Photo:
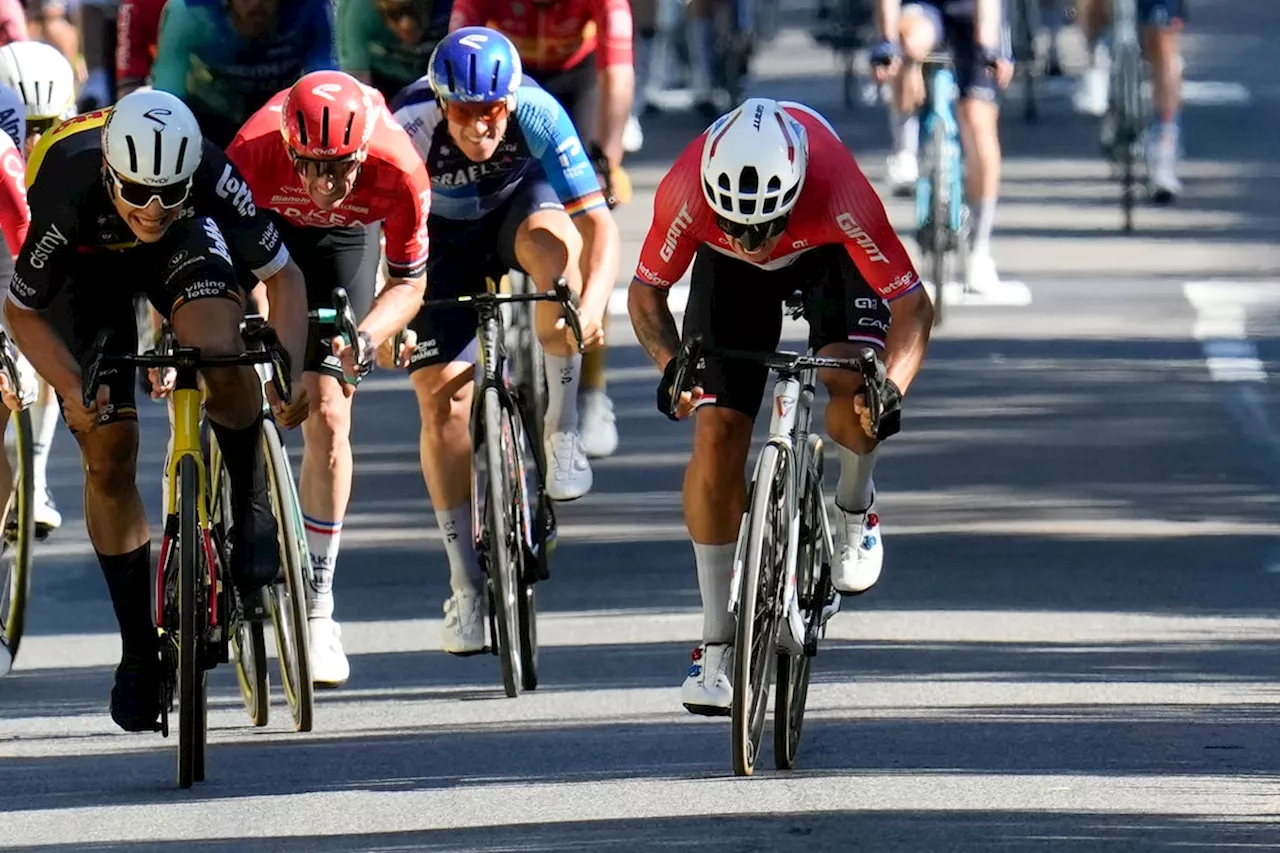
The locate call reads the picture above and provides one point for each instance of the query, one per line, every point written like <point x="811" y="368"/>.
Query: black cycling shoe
<point x="135" y="697"/>
<point x="255" y="550"/>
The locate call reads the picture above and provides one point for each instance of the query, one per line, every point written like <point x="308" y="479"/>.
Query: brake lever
<point x="686" y="365"/>
<point x="93" y="368"/>
<point x="569" y="305"/>
<point x="349" y="329"/>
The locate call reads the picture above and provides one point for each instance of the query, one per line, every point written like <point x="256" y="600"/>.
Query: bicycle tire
<point x="941" y="220"/>
<point x="794" y="671"/>
<point x="289" y="599"/>
<point x="752" y="665"/>
<point x="532" y="557"/>
<point x="248" y="641"/>
<point x="504" y="552"/>
<point x="193" y="604"/>
<point x="18" y="545"/>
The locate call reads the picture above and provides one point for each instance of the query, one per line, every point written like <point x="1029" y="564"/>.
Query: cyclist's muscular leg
<point x="919" y="28"/>
<point x="233" y="404"/>
<point x="324" y="482"/>
<point x="979" y="119"/>
<point x="444" y="393"/>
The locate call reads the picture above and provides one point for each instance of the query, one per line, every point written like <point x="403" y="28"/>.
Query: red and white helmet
<point x="327" y="115"/>
<point x="753" y="163"/>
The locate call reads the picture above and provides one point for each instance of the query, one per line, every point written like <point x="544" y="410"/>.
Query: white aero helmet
<point x="152" y="138"/>
<point x="753" y="163"/>
<point x="13" y="116"/>
<point x="42" y="77"/>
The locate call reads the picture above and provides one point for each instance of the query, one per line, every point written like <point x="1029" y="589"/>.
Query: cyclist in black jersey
<point x="134" y="199"/>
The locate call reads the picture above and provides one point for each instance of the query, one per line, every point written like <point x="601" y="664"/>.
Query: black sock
<point x="246" y="468"/>
<point x="129" y="582"/>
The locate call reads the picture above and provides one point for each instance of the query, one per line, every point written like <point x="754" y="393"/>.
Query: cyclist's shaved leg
<point x="233" y="403"/>
<point x="918" y="33"/>
<point x="324" y="482"/>
<point x="857" y="451"/>
<point x="979" y="120"/>
<point x="715" y="496"/>
<point x="549" y="246"/>
<point x="1161" y="42"/>
<point x="444" y="403"/>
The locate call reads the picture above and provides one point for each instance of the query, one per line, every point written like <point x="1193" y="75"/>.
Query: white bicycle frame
<point x="790" y="418"/>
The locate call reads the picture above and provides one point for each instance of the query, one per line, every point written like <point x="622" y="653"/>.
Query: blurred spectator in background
<point x="56" y="22"/>
<point x="13" y="22"/>
<point x="388" y="43"/>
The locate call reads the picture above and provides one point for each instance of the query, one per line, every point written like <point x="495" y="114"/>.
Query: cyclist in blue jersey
<point x="227" y="59"/>
<point x="512" y="187"/>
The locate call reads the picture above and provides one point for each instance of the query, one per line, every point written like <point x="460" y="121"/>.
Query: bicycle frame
<point x="942" y="92"/>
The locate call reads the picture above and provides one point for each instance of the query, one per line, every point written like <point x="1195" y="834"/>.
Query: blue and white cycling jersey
<point x="540" y="142"/>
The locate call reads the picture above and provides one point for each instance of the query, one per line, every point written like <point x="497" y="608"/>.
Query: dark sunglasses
<point x="753" y="237"/>
<point x="339" y="169"/>
<point x="140" y="195"/>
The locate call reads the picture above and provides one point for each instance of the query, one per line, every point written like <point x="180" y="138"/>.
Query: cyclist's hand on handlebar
<point x="81" y="418"/>
<point x="295" y="412"/>
<point x="11" y="400"/>
<point x="1000" y="66"/>
<point x="886" y="59"/>
<point x="592" y="323"/>
<point x="162" y="381"/>
<point x="688" y="400"/>
<point x="388" y="358"/>
<point x="890" y="413"/>
<point x="356" y="360"/>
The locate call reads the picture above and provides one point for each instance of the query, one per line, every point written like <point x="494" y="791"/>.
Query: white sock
<point x="563" y="375"/>
<point x="715" y="576"/>
<point x="459" y="545"/>
<point x="906" y="132"/>
<point x="44" y="425"/>
<point x="323" y="538"/>
<point x="984" y="222"/>
<point x="855" y="489"/>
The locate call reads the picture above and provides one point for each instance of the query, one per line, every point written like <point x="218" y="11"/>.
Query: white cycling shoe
<point x="903" y="171"/>
<point x="708" y="688"/>
<point x="47" y="517"/>
<point x="862" y="553"/>
<point x="568" y="471"/>
<point x="329" y="666"/>
<point x="463" y="632"/>
<point x="598" y="424"/>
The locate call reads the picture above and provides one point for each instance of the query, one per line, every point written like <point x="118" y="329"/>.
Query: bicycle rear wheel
<point x="193" y="618"/>
<point x="505" y="550"/>
<point x="289" y="599"/>
<point x="759" y="608"/>
<point x="248" y="641"/>
<point x="19" y="539"/>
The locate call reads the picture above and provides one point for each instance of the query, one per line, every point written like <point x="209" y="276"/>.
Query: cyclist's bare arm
<point x="653" y="322"/>
<point x="44" y="348"/>
<point x="601" y="258"/>
<point x="988" y="20"/>
<point x="394" y="307"/>
<point x="887" y="14"/>
<point x="287" y="295"/>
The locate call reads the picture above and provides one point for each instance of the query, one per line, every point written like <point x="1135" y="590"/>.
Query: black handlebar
<point x="867" y="363"/>
<point x="9" y="364"/>
<point x="561" y="293"/>
<point x="168" y="354"/>
<point x="347" y="327"/>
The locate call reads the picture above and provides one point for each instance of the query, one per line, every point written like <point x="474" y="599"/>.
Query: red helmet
<point x="326" y="115"/>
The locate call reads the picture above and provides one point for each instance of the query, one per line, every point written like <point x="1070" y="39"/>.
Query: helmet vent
<point x="324" y="128"/>
<point x="493" y="84"/>
<point x="346" y="134"/>
<point x="302" y="128"/>
<point x="156" y="155"/>
<point x="133" y="155"/>
<point x="182" y="154"/>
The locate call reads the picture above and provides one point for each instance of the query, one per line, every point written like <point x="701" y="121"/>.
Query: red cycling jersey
<point x="15" y="216"/>
<point x="554" y="37"/>
<point x="836" y="206"/>
<point x="137" y="30"/>
<point x="392" y="186"/>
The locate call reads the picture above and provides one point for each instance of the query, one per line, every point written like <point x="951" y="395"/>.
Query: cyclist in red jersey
<point x="137" y="31"/>
<point x="827" y="235"/>
<point x="557" y="40"/>
<point x="327" y="160"/>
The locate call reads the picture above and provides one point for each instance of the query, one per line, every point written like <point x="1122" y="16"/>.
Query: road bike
<point x="1128" y="105"/>
<point x="19" y="513"/>
<point x="781" y="593"/>
<point x="512" y="518"/>
<point x="197" y="608"/>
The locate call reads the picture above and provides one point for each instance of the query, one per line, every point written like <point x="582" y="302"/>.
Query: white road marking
<point x="1009" y="294"/>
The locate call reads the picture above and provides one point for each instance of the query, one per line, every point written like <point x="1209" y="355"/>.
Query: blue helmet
<point x="474" y="64"/>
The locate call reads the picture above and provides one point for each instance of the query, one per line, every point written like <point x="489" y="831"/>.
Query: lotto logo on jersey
<point x="236" y="192"/>
<point x="218" y="245"/>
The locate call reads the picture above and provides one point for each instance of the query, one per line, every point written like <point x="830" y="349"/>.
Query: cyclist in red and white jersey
<point x="332" y="166"/>
<point x="766" y="202"/>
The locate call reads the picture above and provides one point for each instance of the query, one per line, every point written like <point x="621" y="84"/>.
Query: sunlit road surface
<point x="1073" y="646"/>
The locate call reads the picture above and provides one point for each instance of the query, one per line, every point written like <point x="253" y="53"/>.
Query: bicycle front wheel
<point x="939" y="243"/>
<point x="193" y="619"/>
<point x="504" y="551"/>
<point x="759" y="607"/>
<point x="794" y="670"/>
<point x="19" y="539"/>
<point x="289" y="599"/>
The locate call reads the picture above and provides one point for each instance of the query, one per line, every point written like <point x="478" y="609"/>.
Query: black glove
<point x="890" y="410"/>
<point x="666" y="388"/>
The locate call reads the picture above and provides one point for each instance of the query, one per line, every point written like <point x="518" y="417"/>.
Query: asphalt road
<point x="1073" y="646"/>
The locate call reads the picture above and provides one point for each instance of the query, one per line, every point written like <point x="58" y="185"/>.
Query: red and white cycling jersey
<point x="554" y="37"/>
<point x="392" y="187"/>
<point x="836" y="206"/>
<point x="15" y="216"/>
